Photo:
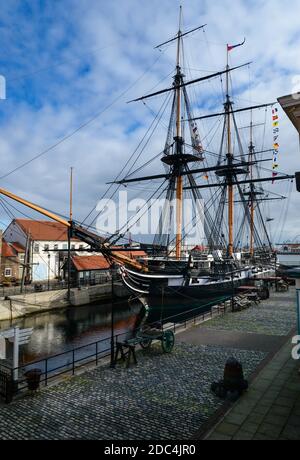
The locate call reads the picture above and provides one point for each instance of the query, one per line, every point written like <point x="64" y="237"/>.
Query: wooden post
<point x="70" y="234"/>
<point x="25" y="264"/>
<point x="71" y="195"/>
<point x="16" y="354"/>
<point x="69" y="264"/>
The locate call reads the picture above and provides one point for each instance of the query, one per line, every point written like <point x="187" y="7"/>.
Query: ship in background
<point x="288" y="257"/>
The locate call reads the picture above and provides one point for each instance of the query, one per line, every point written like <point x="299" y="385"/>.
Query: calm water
<point x="62" y="330"/>
<point x="58" y="331"/>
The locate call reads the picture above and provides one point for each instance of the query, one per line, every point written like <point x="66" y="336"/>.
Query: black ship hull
<point x="178" y="289"/>
<point x="196" y="292"/>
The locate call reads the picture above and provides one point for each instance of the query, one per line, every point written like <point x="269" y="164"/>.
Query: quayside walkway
<point x="165" y="396"/>
<point x="270" y="410"/>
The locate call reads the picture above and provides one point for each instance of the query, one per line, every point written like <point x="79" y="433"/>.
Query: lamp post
<point x="49" y="271"/>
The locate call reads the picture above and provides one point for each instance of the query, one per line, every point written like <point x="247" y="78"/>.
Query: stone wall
<point x="26" y="304"/>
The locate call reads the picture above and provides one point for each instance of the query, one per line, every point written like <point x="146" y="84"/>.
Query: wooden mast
<point x="179" y="188"/>
<point x="229" y="162"/>
<point x="251" y="191"/>
<point x="70" y="234"/>
<point x="71" y="194"/>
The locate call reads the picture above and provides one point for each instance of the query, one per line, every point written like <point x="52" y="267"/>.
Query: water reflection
<point x="58" y="331"/>
<point x="61" y="331"/>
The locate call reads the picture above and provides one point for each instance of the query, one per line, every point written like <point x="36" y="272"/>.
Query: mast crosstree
<point x="179" y="163"/>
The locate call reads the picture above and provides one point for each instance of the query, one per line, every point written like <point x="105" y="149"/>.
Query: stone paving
<point x="167" y="397"/>
<point x="276" y="316"/>
<point x="270" y="410"/>
<point x="164" y="397"/>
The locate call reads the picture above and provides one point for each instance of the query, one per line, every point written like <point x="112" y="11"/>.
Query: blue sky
<point x="65" y="61"/>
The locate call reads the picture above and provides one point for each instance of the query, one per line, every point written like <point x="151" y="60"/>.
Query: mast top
<point x="180" y="19"/>
<point x="178" y="41"/>
<point x="180" y="34"/>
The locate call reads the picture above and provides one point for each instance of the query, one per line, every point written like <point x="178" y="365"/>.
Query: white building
<point x="45" y="241"/>
<point x="291" y="106"/>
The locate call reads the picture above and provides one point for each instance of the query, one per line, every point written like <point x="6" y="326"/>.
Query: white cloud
<point x="79" y="55"/>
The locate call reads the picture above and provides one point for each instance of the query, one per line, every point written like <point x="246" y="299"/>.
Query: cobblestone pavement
<point x="163" y="397"/>
<point x="270" y="410"/>
<point x="276" y="316"/>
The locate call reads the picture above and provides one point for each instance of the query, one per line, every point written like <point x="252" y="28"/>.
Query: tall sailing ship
<point x="234" y="180"/>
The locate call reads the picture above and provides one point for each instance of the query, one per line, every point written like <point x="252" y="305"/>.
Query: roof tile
<point x="7" y="250"/>
<point x="87" y="263"/>
<point x="43" y="230"/>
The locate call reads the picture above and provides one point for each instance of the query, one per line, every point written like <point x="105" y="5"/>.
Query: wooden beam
<point x="35" y="207"/>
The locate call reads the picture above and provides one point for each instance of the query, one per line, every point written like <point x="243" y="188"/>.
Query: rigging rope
<point x="152" y="127"/>
<point x="75" y="131"/>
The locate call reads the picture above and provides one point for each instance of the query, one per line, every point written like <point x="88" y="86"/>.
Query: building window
<point x="56" y="247"/>
<point x="65" y="246"/>
<point x="8" y="272"/>
<point x="46" y="247"/>
<point x="73" y="247"/>
<point x="36" y="248"/>
<point x="81" y="246"/>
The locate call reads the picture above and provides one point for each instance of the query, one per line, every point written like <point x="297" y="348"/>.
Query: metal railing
<point x="43" y="286"/>
<point x="194" y="316"/>
<point x="6" y="388"/>
<point x="70" y="361"/>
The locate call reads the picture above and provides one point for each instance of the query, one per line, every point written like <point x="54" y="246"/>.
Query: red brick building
<point x="12" y="262"/>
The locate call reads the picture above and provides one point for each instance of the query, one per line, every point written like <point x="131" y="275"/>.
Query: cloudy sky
<point x="72" y="61"/>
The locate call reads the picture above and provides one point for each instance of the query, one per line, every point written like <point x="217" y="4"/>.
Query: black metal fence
<point x="15" y="381"/>
<point x="6" y="385"/>
<point x="43" y="286"/>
